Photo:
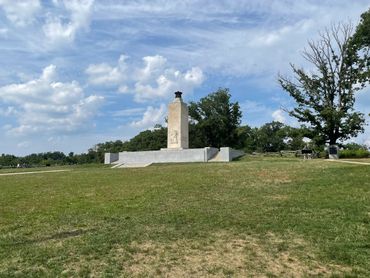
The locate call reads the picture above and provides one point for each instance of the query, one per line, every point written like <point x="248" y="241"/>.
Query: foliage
<point x="247" y="139"/>
<point x="355" y="146"/>
<point x="196" y="136"/>
<point x="148" y="140"/>
<point x="326" y="96"/>
<point x="354" y="150"/>
<point x="271" y="137"/>
<point x="49" y="159"/>
<point x="216" y="119"/>
<point x="8" y="160"/>
<point x="362" y="35"/>
<point x="361" y="43"/>
<point x="353" y="153"/>
<point x="294" y="138"/>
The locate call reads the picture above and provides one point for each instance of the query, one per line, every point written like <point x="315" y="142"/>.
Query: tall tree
<point x="361" y="43"/>
<point x="216" y="118"/>
<point x="325" y="97"/>
<point x="362" y="34"/>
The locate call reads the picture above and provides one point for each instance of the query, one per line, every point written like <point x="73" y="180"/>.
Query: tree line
<point x="49" y="159"/>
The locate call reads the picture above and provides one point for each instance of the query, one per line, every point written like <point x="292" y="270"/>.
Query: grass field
<point x="267" y="217"/>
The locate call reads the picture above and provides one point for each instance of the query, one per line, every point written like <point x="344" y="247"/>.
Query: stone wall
<point x="164" y="156"/>
<point x="173" y="155"/>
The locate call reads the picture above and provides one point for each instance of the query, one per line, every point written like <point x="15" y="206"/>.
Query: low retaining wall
<point x="163" y="156"/>
<point x="228" y="154"/>
<point x="172" y="155"/>
<point x="110" y="158"/>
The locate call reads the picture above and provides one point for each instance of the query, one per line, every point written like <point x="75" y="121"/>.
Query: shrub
<point x="360" y="153"/>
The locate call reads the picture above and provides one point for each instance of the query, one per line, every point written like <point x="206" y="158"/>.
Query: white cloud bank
<point x="20" y="12"/>
<point x="57" y="31"/>
<point x="151" y="117"/>
<point x="46" y="105"/>
<point x="155" y="79"/>
<point x="242" y="38"/>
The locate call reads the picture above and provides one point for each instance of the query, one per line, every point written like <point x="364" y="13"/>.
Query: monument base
<point x="172" y="156"/>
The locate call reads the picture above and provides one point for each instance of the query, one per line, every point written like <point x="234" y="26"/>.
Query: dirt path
<point x="350" y="162"/>
<point x="34" y="172"/>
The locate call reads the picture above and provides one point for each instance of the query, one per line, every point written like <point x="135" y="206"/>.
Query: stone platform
<point x="125" y="159"/>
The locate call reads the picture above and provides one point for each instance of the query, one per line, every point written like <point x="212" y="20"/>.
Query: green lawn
<point x="268" y="217"/>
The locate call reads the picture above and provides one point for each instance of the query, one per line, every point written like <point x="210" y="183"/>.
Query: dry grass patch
<point x="274" y="177"/>
<point x="222" y="255"/>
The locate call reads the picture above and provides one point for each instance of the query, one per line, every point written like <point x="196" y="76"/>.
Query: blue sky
<point x="78" y="72"/>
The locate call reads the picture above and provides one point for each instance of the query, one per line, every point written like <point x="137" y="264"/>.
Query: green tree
<point x="294" y="138"/>
<point x="148" y="140"/>
<point x="325" y="96"/>
<point x="362" y="35"/>
<point x="216" y="119"/>
<point x="354" y="146"/>
<point x="8" y="160"/>
<point x="271" y="137"/>
<point x="361" y="43"/>
<point x="247" y="138"/>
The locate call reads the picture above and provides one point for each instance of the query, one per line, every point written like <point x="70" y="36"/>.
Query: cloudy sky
<point x="78" y="72"/>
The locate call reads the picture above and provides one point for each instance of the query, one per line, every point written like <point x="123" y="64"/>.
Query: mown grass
<point x="267" y="217"/>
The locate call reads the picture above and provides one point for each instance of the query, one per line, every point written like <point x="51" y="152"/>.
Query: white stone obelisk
<point x="178" y="124"/>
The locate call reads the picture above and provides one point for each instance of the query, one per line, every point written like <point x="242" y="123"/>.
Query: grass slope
<point x="256" y="217"/>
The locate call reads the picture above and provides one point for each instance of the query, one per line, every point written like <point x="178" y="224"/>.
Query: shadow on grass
<point x="61" y="235"/>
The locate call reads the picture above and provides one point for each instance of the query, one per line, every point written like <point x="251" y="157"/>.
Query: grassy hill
<point x="268" y="217"/>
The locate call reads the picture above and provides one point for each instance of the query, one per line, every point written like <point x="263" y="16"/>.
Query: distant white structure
<point x="177" y="144"/>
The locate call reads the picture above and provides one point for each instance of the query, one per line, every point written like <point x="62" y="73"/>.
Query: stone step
<point x="117" y="165"/>
<point x="215" y="158"/>
<point x="134" y="165"/>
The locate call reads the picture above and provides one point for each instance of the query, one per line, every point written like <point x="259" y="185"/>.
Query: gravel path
<point x="34" y="172"/>
<point x="346" y="161"/>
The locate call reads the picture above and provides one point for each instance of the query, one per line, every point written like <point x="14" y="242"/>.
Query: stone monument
<point x="178" y="124"/>
<point x="333" y="152"/>
<point x="177" y="144"/>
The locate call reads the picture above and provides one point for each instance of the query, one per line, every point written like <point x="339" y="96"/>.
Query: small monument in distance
<point x="178" y="124"/>
<point x="333" y="152"/>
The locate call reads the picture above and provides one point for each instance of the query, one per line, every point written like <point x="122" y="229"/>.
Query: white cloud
<point x="20" y="12"/>
<point x="166" y="83"/>
<point x="58" y="31"/>
<point x="151" y="117"/>
<point x="154" y="65"/>
<point x="278" y="115"/>
<point x="152" y="81"/>
<point x="104" y="74"/>
<point x="46" y="105"/>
